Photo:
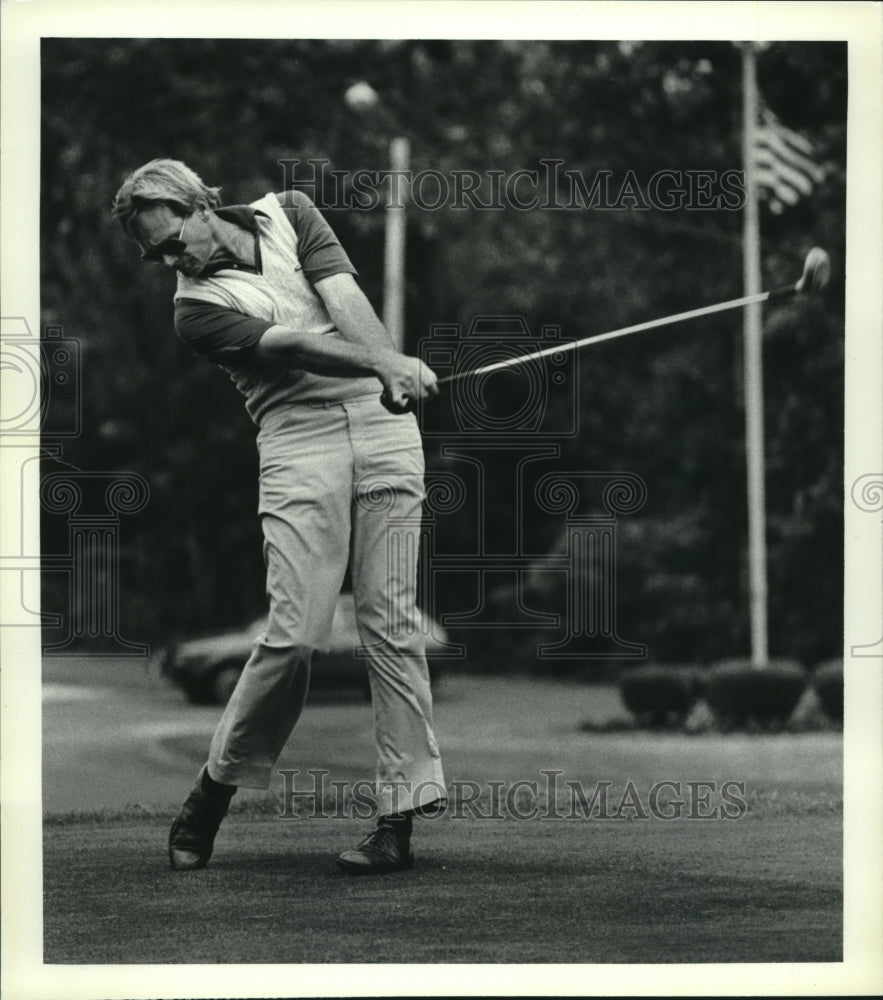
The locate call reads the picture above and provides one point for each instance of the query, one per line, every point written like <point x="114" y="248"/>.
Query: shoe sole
<point x="201" y="863"/>
<point x="353" y="869"/>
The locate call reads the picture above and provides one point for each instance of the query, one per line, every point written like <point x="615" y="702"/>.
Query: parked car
<point x="207" y="669"/>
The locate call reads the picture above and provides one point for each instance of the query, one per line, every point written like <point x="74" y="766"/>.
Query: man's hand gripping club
<point x="405" y="381"/>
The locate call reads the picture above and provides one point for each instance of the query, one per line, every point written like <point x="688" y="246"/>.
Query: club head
<point x="816" y="271"/>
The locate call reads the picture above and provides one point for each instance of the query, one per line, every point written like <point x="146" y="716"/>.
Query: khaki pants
<point x="337" y="482"/>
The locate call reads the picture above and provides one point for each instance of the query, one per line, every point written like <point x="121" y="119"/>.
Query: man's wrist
<point x="380" y="359"/>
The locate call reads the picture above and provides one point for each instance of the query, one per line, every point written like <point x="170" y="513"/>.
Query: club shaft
<point x="746" y="300"/>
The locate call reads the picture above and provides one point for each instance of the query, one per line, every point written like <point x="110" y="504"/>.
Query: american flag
<point x="784" y="163"/>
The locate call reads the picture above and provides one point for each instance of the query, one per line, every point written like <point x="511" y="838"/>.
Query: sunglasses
<point x="168" y="248"/>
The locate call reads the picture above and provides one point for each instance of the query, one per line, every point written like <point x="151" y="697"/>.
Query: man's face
<point x="183" y="243"/>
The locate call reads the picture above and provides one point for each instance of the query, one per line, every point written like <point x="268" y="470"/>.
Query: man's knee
<point x="397" y="628"/>
<point x="282" y="649"/>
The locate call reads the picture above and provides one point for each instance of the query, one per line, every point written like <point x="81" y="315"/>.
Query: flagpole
<point x="394" y="247"/>
<point x="753" y="340"/>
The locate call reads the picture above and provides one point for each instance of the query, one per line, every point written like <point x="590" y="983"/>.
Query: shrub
<point x="658" y="694"/>
<point x="739" y="693"/>
<point x="828" y="683"/>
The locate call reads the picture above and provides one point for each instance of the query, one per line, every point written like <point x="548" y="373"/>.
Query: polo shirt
<point x="223" y="313"/>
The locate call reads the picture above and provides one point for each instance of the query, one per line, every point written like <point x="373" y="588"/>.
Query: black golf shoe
<point x="192" y="837"/>
<point x="387" y="849"/>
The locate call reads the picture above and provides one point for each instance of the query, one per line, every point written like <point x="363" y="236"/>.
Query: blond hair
<point x="163" y="182"/>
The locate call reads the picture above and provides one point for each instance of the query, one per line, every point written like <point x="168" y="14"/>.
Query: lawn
<point x="760" y="889"/>
<point x="765" y="887"/>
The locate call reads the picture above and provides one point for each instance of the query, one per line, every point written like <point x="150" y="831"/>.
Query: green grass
<point x="766" y="887"/>
<point x="753" y="890"/>
<point x="761" y="803"/>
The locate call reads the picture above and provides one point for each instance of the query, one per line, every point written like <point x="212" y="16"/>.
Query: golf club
<point x="816" y="272"/>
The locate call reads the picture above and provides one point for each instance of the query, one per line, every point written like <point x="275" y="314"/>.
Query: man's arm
<point x="332" y="275"/>
<point x="354" y="317"/>
<point x="405" y="379"/>
<point x="351" y="312"/>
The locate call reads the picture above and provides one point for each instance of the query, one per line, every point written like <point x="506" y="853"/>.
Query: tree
<point x="665" y="406"/>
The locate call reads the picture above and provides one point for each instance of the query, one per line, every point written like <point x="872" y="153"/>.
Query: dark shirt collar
<point x="241" y="215"/>
<point x="246" y="217"/>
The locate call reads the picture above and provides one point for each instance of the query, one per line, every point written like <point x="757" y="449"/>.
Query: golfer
<point x="266" y="292"/>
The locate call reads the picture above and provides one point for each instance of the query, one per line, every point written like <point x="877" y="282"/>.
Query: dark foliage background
<point x="665" y="406"/>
